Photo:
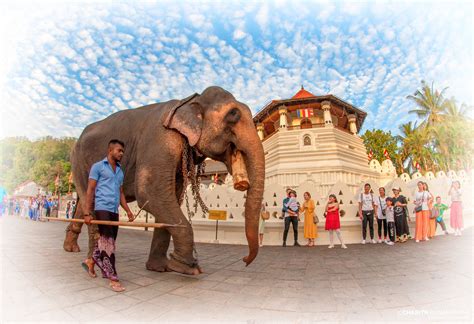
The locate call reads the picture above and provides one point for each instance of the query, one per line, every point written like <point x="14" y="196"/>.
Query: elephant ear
<point x="186" y="118"/>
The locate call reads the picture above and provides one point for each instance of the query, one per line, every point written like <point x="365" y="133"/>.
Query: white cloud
<point x="262" y="16"/>
<point x="239" y="34"/>
<point x="90" y="61"/>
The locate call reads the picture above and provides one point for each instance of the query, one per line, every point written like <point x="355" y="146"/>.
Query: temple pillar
<point x="352" y="123"/>
<point x="326" y="106"/>
<point x="283" y="117"/>
<point x="260" y="133"/>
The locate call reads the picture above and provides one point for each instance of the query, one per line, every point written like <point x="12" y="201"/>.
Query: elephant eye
<point x="233" y="116"/>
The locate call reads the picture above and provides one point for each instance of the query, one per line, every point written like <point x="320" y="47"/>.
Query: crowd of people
<point x="32" y="208"/>
<point x="390" y="213"/>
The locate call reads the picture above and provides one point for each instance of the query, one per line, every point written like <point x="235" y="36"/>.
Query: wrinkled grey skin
<point x="215" y="123"/>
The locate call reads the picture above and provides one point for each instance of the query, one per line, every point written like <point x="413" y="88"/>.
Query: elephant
<point x="215" y="125"/>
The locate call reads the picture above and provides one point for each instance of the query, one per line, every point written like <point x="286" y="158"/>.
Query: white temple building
<point x="315" y="139"/>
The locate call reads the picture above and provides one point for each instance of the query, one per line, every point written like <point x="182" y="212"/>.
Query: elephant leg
<point x="182" y="259"/>
<point x="72" y="232"/>
<point x="157" y="260"/>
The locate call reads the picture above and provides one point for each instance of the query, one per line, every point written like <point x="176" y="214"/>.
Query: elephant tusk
<point x="239" y="172"/>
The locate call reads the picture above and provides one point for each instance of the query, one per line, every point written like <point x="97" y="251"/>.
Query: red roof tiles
<point x="303" y="94"/>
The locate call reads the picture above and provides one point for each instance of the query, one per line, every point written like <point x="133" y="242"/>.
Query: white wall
<point x="224" y="197"/>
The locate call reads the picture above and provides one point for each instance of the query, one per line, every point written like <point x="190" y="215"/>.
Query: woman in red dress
<point x="332" y="221"/>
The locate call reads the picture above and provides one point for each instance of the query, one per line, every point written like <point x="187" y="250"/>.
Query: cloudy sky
<point x="65" y="65"/>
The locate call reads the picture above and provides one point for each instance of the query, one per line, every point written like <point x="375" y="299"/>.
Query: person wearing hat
<point x="399" y="211"/>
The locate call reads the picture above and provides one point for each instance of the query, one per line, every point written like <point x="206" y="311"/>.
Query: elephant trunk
<point x="255" y="168"/>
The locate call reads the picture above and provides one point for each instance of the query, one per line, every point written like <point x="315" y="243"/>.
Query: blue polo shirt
<point x="107" y="191"/>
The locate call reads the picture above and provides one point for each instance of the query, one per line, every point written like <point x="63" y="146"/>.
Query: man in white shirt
<point x="367" y="212"/>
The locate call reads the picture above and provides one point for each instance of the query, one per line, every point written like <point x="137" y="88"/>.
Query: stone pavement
<point x="429" y="281"/>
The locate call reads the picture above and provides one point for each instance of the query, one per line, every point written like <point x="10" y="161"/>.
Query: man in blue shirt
<point x="104" y="195"/>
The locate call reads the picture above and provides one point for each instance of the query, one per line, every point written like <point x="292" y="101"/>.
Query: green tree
<point x="41" y="161"/>
<point x="377" y="141"/>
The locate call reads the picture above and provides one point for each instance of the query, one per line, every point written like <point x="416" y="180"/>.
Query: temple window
<point x="307" y="140"/>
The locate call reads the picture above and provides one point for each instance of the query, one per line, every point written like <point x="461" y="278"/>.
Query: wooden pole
<point x="113" y="223"/>
<point x="146" y="221"/>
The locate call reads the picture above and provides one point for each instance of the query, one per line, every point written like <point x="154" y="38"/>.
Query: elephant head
<point x="219" y="126"/>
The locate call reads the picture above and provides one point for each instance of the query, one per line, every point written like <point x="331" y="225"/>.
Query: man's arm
<point x="375" y="206"/>
<point x="284" y="209"/>
<point x="123" y="203"/>
<point x="90" y="195"/>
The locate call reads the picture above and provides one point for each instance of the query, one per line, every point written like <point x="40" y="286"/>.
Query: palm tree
<point x="406" y="131"/>
<point x="431" y="104"/>
<point x="454" y="112"/>
<point x="415" y="146"/>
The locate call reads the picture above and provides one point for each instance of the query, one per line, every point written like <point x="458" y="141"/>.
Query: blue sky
<point x="65" y="65"/>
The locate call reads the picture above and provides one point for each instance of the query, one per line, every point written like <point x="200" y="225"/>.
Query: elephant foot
<point x="157" y="265"/>
<point x="70" y="242"/>
<point x="176" y="266"/>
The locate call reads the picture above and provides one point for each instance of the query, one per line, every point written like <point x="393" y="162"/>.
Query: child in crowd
<point x="389" y="214"/>
<point x="293" y="204"/>
<point x="440" y="208"/>
<point x="332" y="221"/>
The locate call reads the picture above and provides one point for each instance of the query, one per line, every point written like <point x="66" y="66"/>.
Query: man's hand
<point x="87" y="219"/>
<point x="130" y="215"/>
<point x="360" y="215"/>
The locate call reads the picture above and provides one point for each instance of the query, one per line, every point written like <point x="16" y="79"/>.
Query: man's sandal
<point x="89" y="271"/>
<point x="116" y="286"/>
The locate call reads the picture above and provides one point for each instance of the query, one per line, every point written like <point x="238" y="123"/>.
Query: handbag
<point x="420" y="207"/>
<point x="265" y="215"/>
<point x="315" y="218"/>
<point x="434" y="213"/>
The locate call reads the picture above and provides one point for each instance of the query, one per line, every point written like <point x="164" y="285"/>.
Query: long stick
<point x="141" y="209"/>
<point x="113" y="223"/>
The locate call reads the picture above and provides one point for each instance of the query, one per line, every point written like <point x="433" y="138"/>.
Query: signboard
<point x="218" y="215"/>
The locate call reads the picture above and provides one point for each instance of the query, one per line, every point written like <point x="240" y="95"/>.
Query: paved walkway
<point x="408" y="282"/>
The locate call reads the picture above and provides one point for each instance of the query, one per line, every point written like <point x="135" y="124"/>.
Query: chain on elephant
<point x="192" y="173"/>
